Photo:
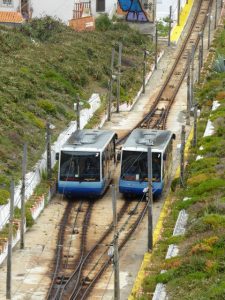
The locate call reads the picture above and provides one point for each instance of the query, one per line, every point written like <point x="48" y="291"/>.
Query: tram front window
<point x="135" y="167"/>
<point x="80" y="166"/>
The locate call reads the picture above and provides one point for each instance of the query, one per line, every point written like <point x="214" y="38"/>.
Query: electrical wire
<point x="106" y="288"/>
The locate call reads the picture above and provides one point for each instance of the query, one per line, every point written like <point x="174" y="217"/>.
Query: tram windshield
<point x="134" y="166"/>
<point x="80" y="166"/>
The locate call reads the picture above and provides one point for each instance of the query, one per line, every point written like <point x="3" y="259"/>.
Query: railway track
<point x="90" y="265"/>
<point x="75" y="216"/>
<point x="157" y="116"/>
<point x="74" y="278"/>
<point x="159" y="112"/>
<point x="93" y="263"/>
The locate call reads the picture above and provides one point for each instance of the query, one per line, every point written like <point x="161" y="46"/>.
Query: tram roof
<point x="141" y="139"/>
<point x="88" y="139"/>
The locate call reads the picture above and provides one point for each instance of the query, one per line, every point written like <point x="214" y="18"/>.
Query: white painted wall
<point x="163" y="8"/>
<point x="62" y="9"/>
<point x="110" y="7"/>
<point x="15" y="6"/>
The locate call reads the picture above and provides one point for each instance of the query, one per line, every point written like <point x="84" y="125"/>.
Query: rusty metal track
<point x="64" y="259"/>
<point x="86" y="285"/>
<point x="75" y="278"/>
<point x="159" y="110"/>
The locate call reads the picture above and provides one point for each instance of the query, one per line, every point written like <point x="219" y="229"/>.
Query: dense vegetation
<point x="198" y="272"/>
<point x="44" y="65"/>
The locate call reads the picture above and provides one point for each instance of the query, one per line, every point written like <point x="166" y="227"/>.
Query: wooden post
<point x="118" y="78"/>
<point x="48" y="146"/>
<point x="78" y="112"/>
<point x="23" y="216"/>
<point x="9" y="256"/>
<point x="144" y="71"/>
<point x="156" y="46"/>
<point x="195" y="127"/>
<point x="216" y="10"/>
<point x="178" y="13"/>
<point x="199" y="63"/>
<point x="192" y="74"/>
<point x="188" y="89"/>
<point x="111" y="85"/>
<point x="115" y="246"/>
<point x="150" y="201"/>
<point x="170" y="24"/>
<point x="209" y="27"/>
<point x="182" y="147"/>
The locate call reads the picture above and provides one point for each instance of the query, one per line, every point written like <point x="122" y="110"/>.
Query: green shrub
<point x="4" y="196"/>
<point x="103" y="23"/>
<point x="47" y="105"/>
<point x="214" y="220"/>
<point x="43" y="29"/>
<point x="207" y="186"/>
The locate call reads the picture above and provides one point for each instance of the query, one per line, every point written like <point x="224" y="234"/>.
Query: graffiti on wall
<point x="136" y="11"/>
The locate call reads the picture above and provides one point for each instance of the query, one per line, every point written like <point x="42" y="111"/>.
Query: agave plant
<point x="219" y="64"/>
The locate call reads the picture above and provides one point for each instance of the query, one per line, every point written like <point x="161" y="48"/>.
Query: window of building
<point x="7" y="2"/>
<point x="100" y="5"/>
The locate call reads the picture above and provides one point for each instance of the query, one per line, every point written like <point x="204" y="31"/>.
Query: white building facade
<point x="63" y="9"/>
<point x="163" y="8"/>
<point x="10" y="5"/>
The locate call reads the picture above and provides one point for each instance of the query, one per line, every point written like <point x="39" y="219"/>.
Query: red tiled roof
<point x="10" y="17"/>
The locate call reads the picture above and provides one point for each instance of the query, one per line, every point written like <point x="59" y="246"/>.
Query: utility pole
<point x="111" y="85"/>
<point x="209" y="27"/>
<point x="170" y="24"/>
<point x="178" y="13"/>
<point x="118" y="78"/>
<point x="9" y="256"/>
<point x="182" y="146"/>
<point x="150" y="201"/>
<point x="115" y="247"/>
<point x="156" y="46"/>
<point x="192" y="74"/>
<point x="216" y="9"/>
<point x="23" y="217"/>
<point x="48" y="146"/>
<point x="202" y="46"/>
<point x="78" y="112"/>
<point x="188" y="88"/>
<point x="144" y="71"/>
<point x="195" y="126"/>
<point x="199" y="62"/>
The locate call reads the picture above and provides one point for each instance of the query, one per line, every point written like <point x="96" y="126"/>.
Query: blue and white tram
<point x="134" y="167"/>
<point x="87" y="163"/>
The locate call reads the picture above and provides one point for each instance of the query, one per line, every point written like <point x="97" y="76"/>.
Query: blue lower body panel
<point x="137" y="187"/>
<point x="86" y="189"/>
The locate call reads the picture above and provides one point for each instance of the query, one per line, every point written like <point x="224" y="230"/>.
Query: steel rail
<point x="195" y="28"/>
<point x="81" y="295"/>
<point x="75" y="276"/>
<point x="54" y="291"/>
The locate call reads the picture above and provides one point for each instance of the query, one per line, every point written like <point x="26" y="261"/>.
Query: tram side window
<point x="167" y="162"/>
<point x="156" y="167"/>
<point x="103" y="165"/>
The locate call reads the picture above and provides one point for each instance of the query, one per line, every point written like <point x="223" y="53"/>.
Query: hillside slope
<point x="196" y="271"/>
<point x="44" y="64"/>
